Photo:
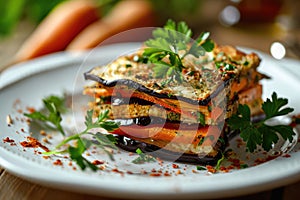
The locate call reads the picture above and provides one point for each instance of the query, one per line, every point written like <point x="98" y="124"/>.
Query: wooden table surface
<point x="13" y="187"/>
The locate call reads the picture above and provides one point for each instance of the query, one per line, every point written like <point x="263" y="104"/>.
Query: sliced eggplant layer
<point x="136" y="110"/>
<point x="132" y="145"/>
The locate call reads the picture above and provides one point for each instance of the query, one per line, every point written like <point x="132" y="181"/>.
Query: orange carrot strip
<point x="127" y="14"/>
<point x="58" y="29"/>
<point x="164" y="134"/>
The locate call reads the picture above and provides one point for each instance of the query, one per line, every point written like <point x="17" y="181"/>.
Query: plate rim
<point x="7" y="163"/>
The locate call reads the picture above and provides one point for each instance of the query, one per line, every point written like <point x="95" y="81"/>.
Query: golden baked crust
<point x="202" y="77"/>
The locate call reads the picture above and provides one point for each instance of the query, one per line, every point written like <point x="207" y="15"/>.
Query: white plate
<point x="55" y="74"/>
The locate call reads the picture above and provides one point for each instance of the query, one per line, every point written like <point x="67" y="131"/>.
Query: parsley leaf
<point x="53" y="108"/>
<point x="101" y="140"/>
<point x="76" y="155"/>
<point x="260" y="133"/>
<point x="201" y="118"/>
<point x="143" y="157"/>
<point x="170" y="45"/>
<point x="274" y="108"/>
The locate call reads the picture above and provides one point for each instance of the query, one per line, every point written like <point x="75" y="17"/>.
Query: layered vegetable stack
<point x="177" y="111"/>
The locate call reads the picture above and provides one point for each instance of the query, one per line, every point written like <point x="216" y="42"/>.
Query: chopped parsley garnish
<point x="226" y="66"/>
<point x="170" y="45"/>
<point x="261" y="133"/>
<point x="143" y="157"/>
<point x="201" y="118"/>
<point x="218" y="165"/>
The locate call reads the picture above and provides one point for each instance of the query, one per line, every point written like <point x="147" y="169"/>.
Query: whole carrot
<point x="58" y="29"/>
<point x="127" y="14"/>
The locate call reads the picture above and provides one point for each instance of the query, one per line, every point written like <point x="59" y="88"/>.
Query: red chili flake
<point x="33" y="143"/>
<point x="263" y="160"/>
<point x="8" y="140"/>
<point x="46" y="157"/>
<point x="240" y="142"/>
<point x="153" y="170"/>
<point x="155" y="174"/>
<point x="211" y="169"/>
<point x="70" y="163"/>
<point x="131" y="154"/>
<point x="224" y="169"/>
<point x="117" y="171"/>
<point x="295" y="120"/>
<point x="49" y="136"/>
<point x="230" y="167"/>
<point x="45" y="140"/>
<point x="235" y="162"/>
<point x="28" y="122"/>
<point x="129" y="172"/>
<point x="58" y="162"/>
<point x="42" y="132"/>
<point x="102" y="167"/>
<point x="175" y="166"/>
<point x="179" y="172"/>
<point x="22" y="129"/>
<point x="98" y="162"/>
<point x="30" y="109"/>
<point x="167" y="174"/>
<point x="286" y="155"/>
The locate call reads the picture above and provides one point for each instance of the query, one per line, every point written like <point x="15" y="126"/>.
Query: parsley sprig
<point x="262" y="133"/>
<point x="142" y="158"/>
<point x="170" y="45"/>
<point x="99" y="139"/>
<point x="54" y="106"/>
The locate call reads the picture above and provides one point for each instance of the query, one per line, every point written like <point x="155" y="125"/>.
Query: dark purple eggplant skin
<point x="136" y="86"/>
<point x="131" y="145"/>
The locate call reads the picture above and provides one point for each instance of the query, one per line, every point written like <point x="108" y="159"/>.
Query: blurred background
<point x="32" y="28"/>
